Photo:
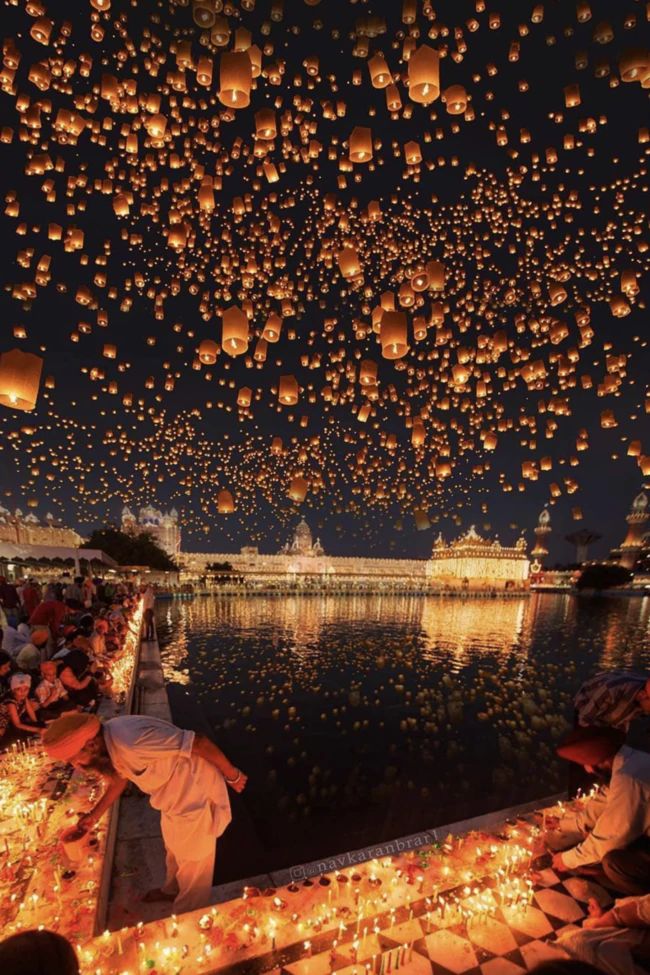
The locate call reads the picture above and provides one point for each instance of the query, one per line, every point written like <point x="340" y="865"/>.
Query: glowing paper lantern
<point x="265" y="124"/>
<point x="455" y="99"/>
<point x="629" y="283"/>
<point x="368" y="372"/>
<point x="234" y="334"/>
<point x="208" y="351"/>
<point x="380" y="75"/>
<point x="393" y="335"/>
<point x="272" y="328"/>
<point x="424" y="75"/>
<point x="20" y="375"/>
<point x="244" y="397"/>
<point x="204" y="13"/>
<point x="235" y="79"/>
<point x="298" y="489"/>
<point x="361" y="144"/>
<point x="635" y="65"/>
<point x="288" y="390"/>
<point x="348" y="261"/>
<point x="225" y="503"/>
<point x="436" y="275"/>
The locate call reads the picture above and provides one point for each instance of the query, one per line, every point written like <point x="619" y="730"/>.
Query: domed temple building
<point x="163" y="526"/>
<point x="470" y="562"/>
<point x="478" y="562"/>
<point x="302" y="543"/>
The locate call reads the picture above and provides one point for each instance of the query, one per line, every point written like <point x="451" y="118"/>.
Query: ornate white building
<point x="478" y="562"/>
<point x="20" y="529"/>
<point x="162" y="525"/>
<point x="302" y="543"/>
<point x="483" y="563"/>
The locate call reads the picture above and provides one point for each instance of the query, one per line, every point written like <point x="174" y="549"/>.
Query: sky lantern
<point x="272" y="328"/>
<point x="393" y="335"/>
<point x="380" y="75"/>
<point x="361" y="144"/>
<point x="635" y="65"/>
<point x="298" y="488"/>
<point x="424" y="75"/>
<point x="244" y="397"/>
<point x="288" y="390"/>
<point x="368" y="372"/>
<point x="629" y="284"/>
<point x="235" y="79"/>
<point x="348" y="261"/>
<point x="455" y="99"/>
<point x="234" y="333"/>
<point x="265" y="124"/>
<point x="208" y="351"/>
<point x="225" y="503"/>
<point x="204" y="13"/>
<point x="20" y="376"/>
<point x="436" y="275"/>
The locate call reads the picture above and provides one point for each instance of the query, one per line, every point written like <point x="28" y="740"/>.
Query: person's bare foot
<point x="156" y="895"/>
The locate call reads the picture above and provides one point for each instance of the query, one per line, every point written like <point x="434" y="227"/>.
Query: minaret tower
<point x="636" y="520"/>
<point x="542" y="531"/>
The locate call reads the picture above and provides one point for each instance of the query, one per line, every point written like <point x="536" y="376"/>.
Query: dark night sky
<point x="72" y="420"/>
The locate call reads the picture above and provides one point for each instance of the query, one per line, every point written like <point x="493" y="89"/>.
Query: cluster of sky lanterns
<point x="278" y="176"/>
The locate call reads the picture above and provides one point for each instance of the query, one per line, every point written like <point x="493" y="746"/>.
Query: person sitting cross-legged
<point x="612" y="828"/>
<point x="50" y="693"/>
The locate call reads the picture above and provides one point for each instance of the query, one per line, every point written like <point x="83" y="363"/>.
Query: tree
<point x="141" y="549"/>
<point x="603" y="576"/>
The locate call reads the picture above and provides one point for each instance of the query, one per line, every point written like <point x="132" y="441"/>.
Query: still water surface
<point x="362" y="718"/>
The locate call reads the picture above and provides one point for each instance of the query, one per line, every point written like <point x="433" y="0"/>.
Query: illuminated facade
<point x="163" y="526"/>
<point x="484" y="564"/>
<point x="478" y="563"/>
<point x="20" y="529"/>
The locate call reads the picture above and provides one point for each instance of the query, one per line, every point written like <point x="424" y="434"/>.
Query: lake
<point x="362" y="718"/>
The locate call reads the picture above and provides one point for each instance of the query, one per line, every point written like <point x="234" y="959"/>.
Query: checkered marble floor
<point x="511" y="942"/>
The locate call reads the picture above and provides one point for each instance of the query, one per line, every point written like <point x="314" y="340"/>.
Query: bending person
<point x="613" y="827"/>
<point x="613" y="699"/>
<point x="185" y="776"/>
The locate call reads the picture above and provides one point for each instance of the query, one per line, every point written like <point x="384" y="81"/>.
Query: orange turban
<point x="591" y="745"/>
<point x="67" y="735"/>
<point x="40" y="636"/>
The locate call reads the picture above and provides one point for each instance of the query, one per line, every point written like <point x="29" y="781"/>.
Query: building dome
<point x="303" y="538"/>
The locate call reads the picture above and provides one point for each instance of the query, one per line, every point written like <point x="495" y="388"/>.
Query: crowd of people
<point x="57" y="645"/>
<point x="55" y="665"/>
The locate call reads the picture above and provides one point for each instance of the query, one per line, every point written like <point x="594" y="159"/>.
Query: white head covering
<point x="20" y="680"/>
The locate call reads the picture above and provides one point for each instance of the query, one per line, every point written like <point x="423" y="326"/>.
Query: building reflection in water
<point x="450" y="628"/>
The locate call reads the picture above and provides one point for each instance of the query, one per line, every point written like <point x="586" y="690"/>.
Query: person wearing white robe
<point x="613" y="941"/>
<point x="183" y="773"/>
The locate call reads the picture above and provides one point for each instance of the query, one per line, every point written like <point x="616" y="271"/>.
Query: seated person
<point x="613" y="940"/>
<point x="30" y="655"/>
<point x="612" y="828"/>
<point x="51" y="695"/>
<point x="13" y="638"/>
<point x="97" y="638"/>
<point x="74" y="671"/>
<point x="17" y="715"/>
<point x="5" y="672"/>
